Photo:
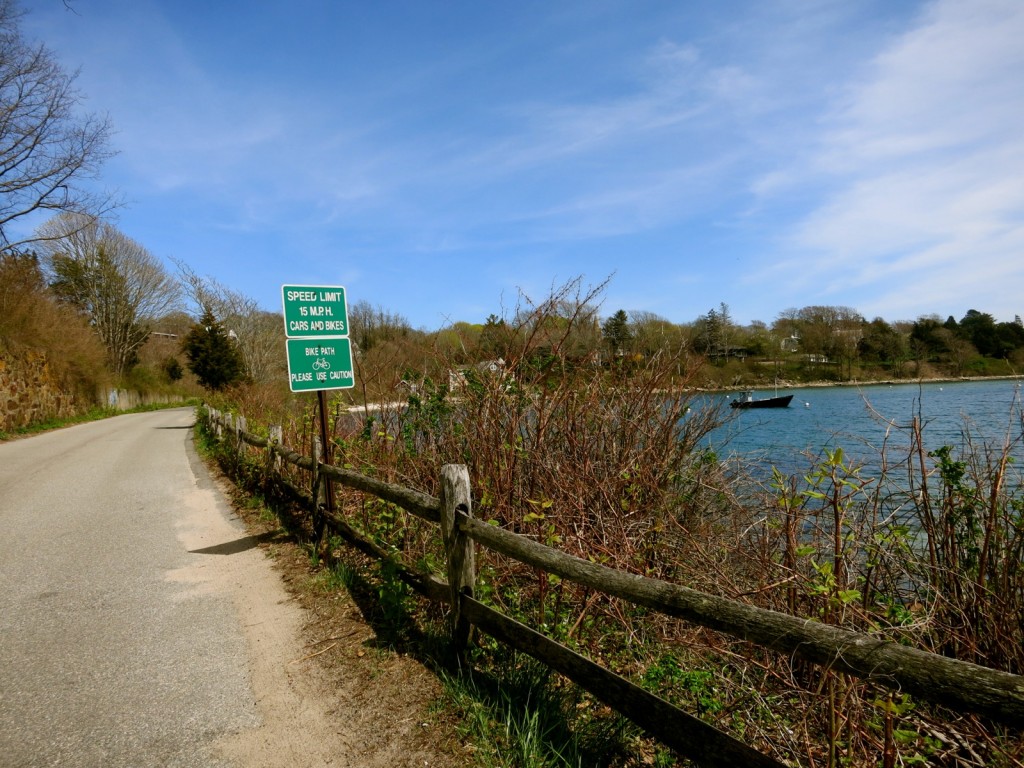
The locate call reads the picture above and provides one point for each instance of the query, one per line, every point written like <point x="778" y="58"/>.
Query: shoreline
<point x="866" y="383"/>
<point x="376" y="407"/>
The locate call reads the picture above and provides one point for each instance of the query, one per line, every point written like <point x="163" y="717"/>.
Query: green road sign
<point x="314" y="310"/>
<point x="320" y="363"/>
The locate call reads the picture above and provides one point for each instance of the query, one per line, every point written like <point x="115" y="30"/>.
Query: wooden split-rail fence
<point x="956" y="684"/>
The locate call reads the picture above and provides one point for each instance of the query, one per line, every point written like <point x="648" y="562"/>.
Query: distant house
<point x="491" y="366"/>
<point x="729" y="352"/>
<point x="457" y="379"/>
<point x="790" y="343"/>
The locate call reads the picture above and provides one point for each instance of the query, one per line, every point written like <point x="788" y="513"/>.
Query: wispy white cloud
<point x="922" y="161"/>
<point x="951" y="83"/>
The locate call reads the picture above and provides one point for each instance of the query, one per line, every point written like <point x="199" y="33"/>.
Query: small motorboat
<point x="747" y="400"/>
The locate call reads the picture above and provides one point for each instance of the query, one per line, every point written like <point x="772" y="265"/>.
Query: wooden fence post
<point x="319" y="491"/>
<point x="275" y="437"/>
<point x="455" y="498"/>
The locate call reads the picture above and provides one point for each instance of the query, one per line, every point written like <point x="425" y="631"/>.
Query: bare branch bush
<point x="600" y="458"/>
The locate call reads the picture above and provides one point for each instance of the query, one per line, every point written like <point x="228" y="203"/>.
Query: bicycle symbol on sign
<point x="321" y="364"/>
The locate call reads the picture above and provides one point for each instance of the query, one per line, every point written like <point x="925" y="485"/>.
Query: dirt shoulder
<point x="330" y="690"/>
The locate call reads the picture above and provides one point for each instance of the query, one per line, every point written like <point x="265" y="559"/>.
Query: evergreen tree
<point x="212" y="355"/>
<point x="172" y="369"/>
<point x="979" y="328"/>
<point x="493" y="341"/>
<point x="616" y="331"/>
<point x="710" y="333"/>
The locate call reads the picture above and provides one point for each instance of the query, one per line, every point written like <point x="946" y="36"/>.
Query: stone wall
<point x="30" y="392"/>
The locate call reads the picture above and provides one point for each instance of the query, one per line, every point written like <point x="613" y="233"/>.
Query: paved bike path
<point x="113" y="649"/>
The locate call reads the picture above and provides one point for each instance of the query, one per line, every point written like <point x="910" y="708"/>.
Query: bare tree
<point x="653" y="334"/>
<point x="372" y="325"/>
<point x="565" y="325"/>
<point x="119" y="285"/>
<point x="46" y="149"/>
<point x="258" y="333"/>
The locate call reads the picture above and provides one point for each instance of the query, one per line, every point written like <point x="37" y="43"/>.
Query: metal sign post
<point x="319" y="353"/>
<point x="325" y="450"/>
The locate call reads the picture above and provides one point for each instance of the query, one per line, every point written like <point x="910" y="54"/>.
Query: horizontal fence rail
<point x="961" y="685"/>
<point x="999" y="695"/>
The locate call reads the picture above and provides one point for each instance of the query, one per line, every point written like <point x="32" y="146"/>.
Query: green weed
<point x="518" y="721"/>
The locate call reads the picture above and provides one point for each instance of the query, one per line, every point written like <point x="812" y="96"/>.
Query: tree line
<point x="144" y="326"/>
<point x="815" y="342"/>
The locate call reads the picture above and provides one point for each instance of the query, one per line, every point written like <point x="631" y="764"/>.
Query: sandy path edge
<point x="295" y="728"/>
<point x="346" y="707"/>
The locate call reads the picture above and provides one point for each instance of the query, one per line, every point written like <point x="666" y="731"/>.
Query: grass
<point x="339" y="577"/>
<point x="93" y="414"/>
<point x="520" y="713"/>
<point x="96" y="413"/>
<point x="515" y="719"/>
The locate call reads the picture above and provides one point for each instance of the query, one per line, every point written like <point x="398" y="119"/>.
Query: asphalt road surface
<point x="117" y="645"/>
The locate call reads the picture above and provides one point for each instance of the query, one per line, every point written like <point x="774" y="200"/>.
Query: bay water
<point x="863" y="419"/>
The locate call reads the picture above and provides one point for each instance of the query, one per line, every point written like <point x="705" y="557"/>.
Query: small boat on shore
<point x="747" y="400"/>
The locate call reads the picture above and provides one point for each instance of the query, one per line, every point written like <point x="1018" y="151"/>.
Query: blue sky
<point x="437" y="158"/>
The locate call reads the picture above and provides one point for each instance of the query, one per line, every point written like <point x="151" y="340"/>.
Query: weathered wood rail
<point x="957" y="684"/>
